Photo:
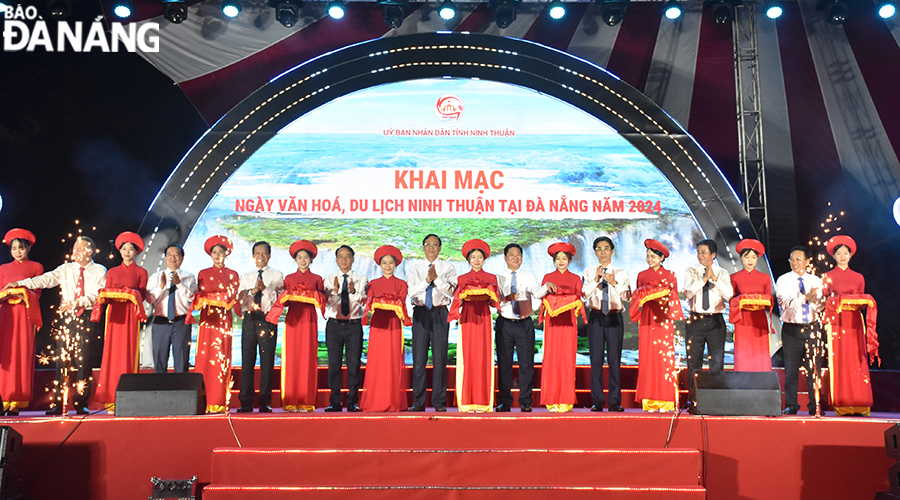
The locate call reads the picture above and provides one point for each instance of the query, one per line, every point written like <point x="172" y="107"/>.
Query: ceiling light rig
<point x="836" y="11"/>
<point x="175" y="11"/>
<point x="557" y="10"/>
<point x="886" y="9"/>
<point x="504" y="12"/>
<point x="672" y="9"/>
<point x="231" y="8"/>
<point x="336" y="9"/>
<point x="773" y="9"/>
<point x="723" y="10"/>
<point x="613" y="11"/>
<point x="123" y="8"/>
<point x="447" y="10"/>
<point x="287" y="12"/>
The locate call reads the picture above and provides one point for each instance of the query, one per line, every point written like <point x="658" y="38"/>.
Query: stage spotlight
<point x="722" y="11"/>
<point x="447" y="11"/>
<point x="393" y="13"/>
<point x="336" y="9"/>
<point x="886" y="10"/>
<point x="231" y="8"/>
<point x="287" y="12"/>
<point x="176" y="11"/>
<point x="122" y="8"/>
<point x="672" y="9"/>
<point x="835" y="10"/>
<point x="612" y="11"/>
<point x="504" y="12"/>
<point x="557" y="9"/>
<point x="59" y="10"/>
<point x="773" y="9"/>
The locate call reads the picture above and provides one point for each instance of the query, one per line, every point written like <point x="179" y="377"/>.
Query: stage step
<point x="435" y="492"/>
<point x="475" y="473"/>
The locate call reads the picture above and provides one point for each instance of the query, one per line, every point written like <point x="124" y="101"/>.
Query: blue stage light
<point x="887" y="9"/>
<point x="557" y="9"/>
<point x="122" y="8"/>
<point x="672" y="9"/>
<point x="231" y="8"/>
<point x="336" y="9"/>
<point x="773" y="9"/>
<point x="447" y="11"/>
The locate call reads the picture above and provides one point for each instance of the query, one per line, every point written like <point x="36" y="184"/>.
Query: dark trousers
<point x="518" y="335"/>
<point x="802" y="345"/>
<point x="708" y="330"/>
<point x="606" y="331"/>
<point x="340" y="337"/>
<point x="177" y="335"/>
<point x="257" y="333"/>
<point x="79" y="346"/>
<point x="430" y="329"/>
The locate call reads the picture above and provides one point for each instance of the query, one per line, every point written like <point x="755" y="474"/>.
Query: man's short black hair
<point x="342" y="247"/>
<point x="607" y="239"/>
<point x="507" y="248"/>
<point x="173" y="245"/>
<point x="709" y="244"/>
<point x="263" y="243"/>
<point x="440" y="243"/>
<point x="801" y="248"/>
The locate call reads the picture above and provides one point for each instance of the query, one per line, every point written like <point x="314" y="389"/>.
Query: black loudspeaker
<point x="10" y="453"/>
<point x="160" y="394"/>
<point x="736" y="393"/>
<point x="892" y="441"/>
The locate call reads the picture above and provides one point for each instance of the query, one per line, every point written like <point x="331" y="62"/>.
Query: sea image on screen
<point x="458" y="158"/>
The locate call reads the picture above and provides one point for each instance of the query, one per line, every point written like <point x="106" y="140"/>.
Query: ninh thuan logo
<point x="448" y="108"/>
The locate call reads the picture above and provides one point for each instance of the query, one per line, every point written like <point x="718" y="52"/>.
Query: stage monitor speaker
<point x="160" y="394"/>
<point x="736" y="393"/>
<point x="10" y="445"/>
<point x="894" y="479"/>
<point x="892" y="441"/>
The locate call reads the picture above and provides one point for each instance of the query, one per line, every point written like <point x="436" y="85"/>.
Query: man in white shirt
<point x="514" y="328"/>
<point x="800" y="300"/>
<point x="79" y="342"/>
<point x="258" y="292"/>
<point x="431" y="286"/>
<point x="171" y="292"/>
<point x="345" y="293"/>
<point x="605" y="287"/>
<point x="708" y="289"/>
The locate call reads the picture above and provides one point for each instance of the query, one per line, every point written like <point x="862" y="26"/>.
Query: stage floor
<point x="108" y="457"/>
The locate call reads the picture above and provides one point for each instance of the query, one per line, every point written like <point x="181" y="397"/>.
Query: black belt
<point x="527" y="318"/>
<point x="705" y="315"/>
<point x="346" y="321"/>
<point x="162" y="320"/>
<point x="611" y="312"/>
<point x="434" y="308"/>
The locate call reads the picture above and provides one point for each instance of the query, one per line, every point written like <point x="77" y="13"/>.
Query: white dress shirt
<point x="528" y="288"/>
<point x="274" y="281"/>
<point x="444" y="284"/>
<point x="720" y="293"/>
<point x="66" y="277"/>
<point x="357" y="298"/>
<point x="593" y="292"/>
<point x="791" y="301"/>
<point x="159" y="295"/>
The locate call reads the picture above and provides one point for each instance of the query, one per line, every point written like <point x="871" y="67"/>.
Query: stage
<point x="450" y="455"/>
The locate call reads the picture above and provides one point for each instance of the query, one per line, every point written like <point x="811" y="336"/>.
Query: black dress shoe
<point x="245" y="409"/>
<point x="616" y="408"/>
<point x="502" y="408"/>
<point x="12" y="413"/>
<point x="334" y="408"/>
<point x="265" y="409"/>
<point x="82" y="410"/>
<point x="416" y="408"/>
<point x="526" y="409"/>
<point x="790" y="411"/>
<point x="440" y="408"/>
<point x="597" y="408"/>
<point x="354" y="408"/>
<point x="54" y="411"/>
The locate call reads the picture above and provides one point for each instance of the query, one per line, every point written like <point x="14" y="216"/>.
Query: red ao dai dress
<point x="20" y="317"/>
<point x="559" y="315"/>
<point x="303" y="294"/>
<point x="383" y="387"/>
<point x="216" y="298"/>
<point x="475" y="294"/>
<point x="751" y="321"/>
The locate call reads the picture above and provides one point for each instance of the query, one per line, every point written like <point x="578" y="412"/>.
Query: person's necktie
<point x="257" y="297"/>
<point x="170" y="309"/>
<point x="705" y="303"/>
<point x="513" y="288"/>
<point x="79" y="291"/>
<point x="805" y="304"/>
<point x="604" y="299"/>
<point x="345" y="298"/>
<point x="429" y="302"/>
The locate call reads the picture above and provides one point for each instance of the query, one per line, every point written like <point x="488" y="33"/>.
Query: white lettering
<point x="40" y="36"/>
<point x="65" y="33"/>
<point x="96" y="38"/>
<point x="148" y="42"/>
<point x="12" y="29"/>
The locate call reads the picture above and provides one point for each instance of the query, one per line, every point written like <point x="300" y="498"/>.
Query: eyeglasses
<point x="432" y="245"/>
